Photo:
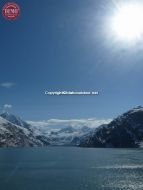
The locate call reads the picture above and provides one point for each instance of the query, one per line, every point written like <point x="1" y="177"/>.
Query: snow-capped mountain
<point x="16" y="136"/>
<point x="124" y="131"/>
<point x="15" y="120"/>
<point x="67" y="135"/>
<point x="64" y="132"/>
<point x="61" y="136"/>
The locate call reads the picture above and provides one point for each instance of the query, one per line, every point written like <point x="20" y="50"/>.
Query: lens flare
<point x="127" y="22"/>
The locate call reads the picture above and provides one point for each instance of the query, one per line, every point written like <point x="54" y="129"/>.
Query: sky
<point x="67" y="45"/>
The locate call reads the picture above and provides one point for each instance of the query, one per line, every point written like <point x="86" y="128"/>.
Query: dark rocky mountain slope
<point x="126" y="131"/>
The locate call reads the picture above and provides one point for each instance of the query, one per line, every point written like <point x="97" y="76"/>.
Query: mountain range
<point x="125" y="131"/>
<point x="40" y="135"/>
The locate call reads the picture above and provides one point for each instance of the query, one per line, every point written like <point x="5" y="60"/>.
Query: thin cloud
<point x="7" y="84"/>
<point x="91" y="122"/>
<point x="7" y="106"/>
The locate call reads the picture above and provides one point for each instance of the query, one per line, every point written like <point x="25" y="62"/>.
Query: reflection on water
<point x="59" y="168"/>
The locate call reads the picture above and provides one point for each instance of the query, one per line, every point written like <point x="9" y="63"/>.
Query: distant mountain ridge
<point x="126" y="131"/>
<point x="62" y="136"/>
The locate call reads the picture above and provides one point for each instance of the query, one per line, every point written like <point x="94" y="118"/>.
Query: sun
<point x="127" y="22"/>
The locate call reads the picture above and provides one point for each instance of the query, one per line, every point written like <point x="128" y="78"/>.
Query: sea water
<point x="69" y="168"/>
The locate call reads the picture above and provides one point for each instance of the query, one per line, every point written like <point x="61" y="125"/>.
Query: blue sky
<point x="67" y="45"/>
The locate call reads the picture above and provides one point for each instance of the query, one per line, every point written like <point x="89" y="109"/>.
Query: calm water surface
<point x="65" y="168"/>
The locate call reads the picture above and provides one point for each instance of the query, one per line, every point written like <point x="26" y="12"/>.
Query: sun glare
<point x="127" y="23"/>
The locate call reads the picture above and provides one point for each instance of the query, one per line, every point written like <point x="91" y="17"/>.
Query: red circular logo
<point x="11" y="11"/>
